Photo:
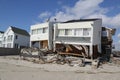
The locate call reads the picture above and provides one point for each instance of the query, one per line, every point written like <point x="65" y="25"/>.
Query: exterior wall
<point x="93" y="39"/>
<point x="97" y="34"/>
<point x="81" y="39"/>
<point x="5" y="38"/>
<point x="39" y="36"/>
<point x="22" y="41"/>
<point x="51" y="35"/>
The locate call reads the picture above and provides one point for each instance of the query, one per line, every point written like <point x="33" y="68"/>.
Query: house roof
<point x="19" y="31"/>
<point x="1" y="32"/>
<point x="82" y="20"/>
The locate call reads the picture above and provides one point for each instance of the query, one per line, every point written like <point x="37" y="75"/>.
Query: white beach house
<point x="83" y="32"/>
<point x="42" y="35"/>
<point x="15" y="38"/>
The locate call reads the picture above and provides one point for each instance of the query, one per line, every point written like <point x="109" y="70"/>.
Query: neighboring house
<point x="83" y="33"/>
<point x="106" y="40"/>
<point x="1" y="38"/>
<point x="16" y="38"/>
<point x="42" y="35"/>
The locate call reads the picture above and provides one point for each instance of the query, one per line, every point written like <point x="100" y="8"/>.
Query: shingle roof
<point x="19" y="31"/>
<point x="1" y="32"/>
<point x="81" y="20"/>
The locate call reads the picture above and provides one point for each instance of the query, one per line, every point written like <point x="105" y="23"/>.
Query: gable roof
<point x="19" y="31"/>
<point x="82" y="20"/>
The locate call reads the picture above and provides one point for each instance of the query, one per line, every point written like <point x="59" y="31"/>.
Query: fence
<point x="9" y="51"/>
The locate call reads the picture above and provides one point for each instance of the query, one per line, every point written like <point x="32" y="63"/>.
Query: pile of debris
<point x="46" y="56"/>
<point x="116" y="53"/>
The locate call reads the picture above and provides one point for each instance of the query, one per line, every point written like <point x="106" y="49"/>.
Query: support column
<point x="91" y="51"/>
<point x="39" y="44"/>
<point x="30" y="43"/>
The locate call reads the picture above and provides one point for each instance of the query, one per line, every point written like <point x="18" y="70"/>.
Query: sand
<point x="12" y="69"/>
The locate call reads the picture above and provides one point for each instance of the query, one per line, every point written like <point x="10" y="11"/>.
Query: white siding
<point x="1" y="39"/>
<point x="6" y="42"/>
<point x="97" y="34"/>
<point x="83" y="33"/>
<point x="38" y="36"/>
<point x="75" y="25"/>
<point x="78" y="32"/>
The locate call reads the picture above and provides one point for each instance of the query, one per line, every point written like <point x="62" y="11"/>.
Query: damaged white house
<point x="83" y="36"/>
<point x="15" y="38"/>
<point x="78" y="37"/>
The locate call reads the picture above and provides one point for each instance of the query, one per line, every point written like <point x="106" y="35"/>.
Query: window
<point x="45" y="30"/>
<point x="68" y="31"/>
<point x="16" y="37"/>
<point x="10" y="38"/>
<point x="4" y="39"/>
<point x="104" y="33"/>
<point x="61" y="32"/>
<point x="86" y="32"/>
<point x="3" y="45"/>
<point x="16" y="45"/>
<point x="34" y="31"/>
<point x="39" y="31"/>
<point x="78" y="32"/>
<point x="9" y="45"/>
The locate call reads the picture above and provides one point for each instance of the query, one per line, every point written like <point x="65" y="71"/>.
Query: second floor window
<point x="61" y="32"/>
<point x="39" y="31"/>
<point x="34" y="31"/>
<point x="9" y="38"/>
<point x="45" y="30"/>
<point x="86" y="32"/>
<point x="78" y="32"/>
<point x="68" y="31"/>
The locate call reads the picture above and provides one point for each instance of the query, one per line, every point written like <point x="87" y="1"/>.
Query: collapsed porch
<point x="78" y="50"/>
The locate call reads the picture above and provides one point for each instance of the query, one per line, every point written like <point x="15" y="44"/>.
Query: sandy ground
<point x="11" y="69"/>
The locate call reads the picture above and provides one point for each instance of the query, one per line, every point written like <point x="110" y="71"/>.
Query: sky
<point x="24" y="13"/>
